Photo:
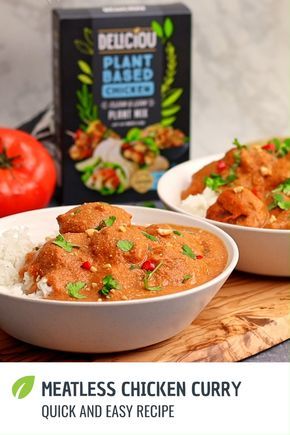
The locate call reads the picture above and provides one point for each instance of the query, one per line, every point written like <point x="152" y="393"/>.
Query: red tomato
<point x="27" y="173"/>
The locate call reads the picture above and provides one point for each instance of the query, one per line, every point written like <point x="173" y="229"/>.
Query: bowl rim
<point x="178" y="208"/>
<point x="230" y="244"/>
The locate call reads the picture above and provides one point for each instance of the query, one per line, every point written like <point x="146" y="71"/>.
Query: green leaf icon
<point x="85" y="79"/>
<point x="23" y="386"/>
<point x="168" y="27"/>
<point x="85" y="67"/>
<point x="156" y="27"/>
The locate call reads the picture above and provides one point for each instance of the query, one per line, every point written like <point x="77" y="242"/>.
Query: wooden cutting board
<point x="248" y="315"/>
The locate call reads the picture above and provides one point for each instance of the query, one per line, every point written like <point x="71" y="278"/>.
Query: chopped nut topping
<point x="90" y="231"/>
<point x="108" y="266"/>
<point x="93" y="269"/>
<point x="100" y="300"/>
<point x="273" y="219"/>
<point x="122" y="228"/>
<point x="164" y="231"/>
<point x="94" y="284"/>
<point x="112" y="290"/>
<point x="124" y="298"/>
<point x="238" y="189"/>
<point x="265" y="171"/>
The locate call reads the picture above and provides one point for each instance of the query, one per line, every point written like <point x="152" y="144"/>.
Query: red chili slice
<point x="221" y="165"/>
<point x="86" y="265"/>
<point x="199" y="257"/>
<point x="148" y="265"/>
<point x="269" y="147"/>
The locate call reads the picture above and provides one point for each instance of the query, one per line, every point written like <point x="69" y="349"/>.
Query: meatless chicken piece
<point x="239" y="206"/>
<point x="90" y="215"/>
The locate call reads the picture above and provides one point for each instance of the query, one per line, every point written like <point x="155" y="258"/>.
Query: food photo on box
<point x="144" y="182"/>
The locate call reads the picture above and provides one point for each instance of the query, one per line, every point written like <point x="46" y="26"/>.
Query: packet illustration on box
<point x="122" y="98"/>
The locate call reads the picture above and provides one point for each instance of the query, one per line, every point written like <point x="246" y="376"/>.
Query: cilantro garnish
<point x="73" y="289"/>
<point x="109" y="283"/>
<point x="178" y="233"/>
<point x="64" y="244"/>
<point x="282" y="148"/>
<point x="149" y="276"/>
<point x="214" y="181"/>
<point x="125" y="245"/>
<point x="238" y="144"/>
<point x="279" y="199"/>
<point x="186" y="278"/>
<point x="186" y="250"/>
<point x="149" y="236"/>
<point x="108" y="222"/>
<point x="283" y="187"/>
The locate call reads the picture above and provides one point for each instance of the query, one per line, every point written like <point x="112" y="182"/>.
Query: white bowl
<point x="112" y="326"/>
<point x="262" y="251"/>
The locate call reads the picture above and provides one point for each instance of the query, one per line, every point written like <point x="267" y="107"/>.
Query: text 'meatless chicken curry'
<point x="100" y="256"/>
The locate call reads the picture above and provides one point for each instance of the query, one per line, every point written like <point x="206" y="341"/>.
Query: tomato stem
<point x="5" y="161"/>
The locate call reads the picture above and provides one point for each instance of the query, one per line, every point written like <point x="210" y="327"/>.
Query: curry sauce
<point x="252" y="183"/>
<point x="100" y="256"/>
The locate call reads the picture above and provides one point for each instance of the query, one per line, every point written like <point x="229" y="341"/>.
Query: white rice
<point x="198" y="204"/>
<point x="14" y="245"/>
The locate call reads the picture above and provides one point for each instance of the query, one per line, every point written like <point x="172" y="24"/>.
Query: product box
<point x="122" y="99"/>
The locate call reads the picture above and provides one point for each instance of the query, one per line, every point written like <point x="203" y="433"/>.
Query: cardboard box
<point x="122" y="98"/>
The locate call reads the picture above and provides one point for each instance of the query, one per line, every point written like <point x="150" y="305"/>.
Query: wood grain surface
<point x="248" y="315"/>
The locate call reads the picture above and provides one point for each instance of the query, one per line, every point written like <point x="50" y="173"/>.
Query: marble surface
<point x="240" y="66"/>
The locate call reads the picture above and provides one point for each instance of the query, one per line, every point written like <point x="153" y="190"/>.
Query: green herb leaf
<point x="238" y="144"/>
<point x="149" y="236"/>
<point x="279" y="201"/>
<point x="64" y="244"/>
<point x="110" y="283"/>
<point x="178" y="233"/>
<point x="125" y="245"/>
<point x="133" y="134"/>
<point x="149" y="276"/>
<point x="186" y="250"/>
<point x="214" y="181"/>
<point x="186" y="278"/>
<point x="151" y="288"/>
<point x="74" y="288"/>
<point x="282" y="147"/>
<point x="108" y="222"/>
<point x="23" y="386"/>
<point x="283" y="187"/>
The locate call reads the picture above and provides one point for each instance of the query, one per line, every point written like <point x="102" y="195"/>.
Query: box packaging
<point x="122" y="99"/>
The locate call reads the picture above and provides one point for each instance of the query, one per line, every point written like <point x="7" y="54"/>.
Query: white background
<point x="260" y="409"/>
